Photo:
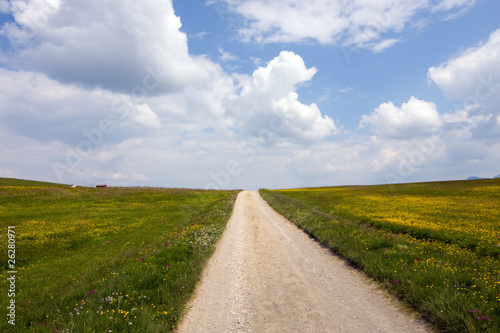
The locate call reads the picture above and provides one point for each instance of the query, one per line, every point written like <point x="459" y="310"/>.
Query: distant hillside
<point x="24" y="182"/>
<point x="475" y="178"/>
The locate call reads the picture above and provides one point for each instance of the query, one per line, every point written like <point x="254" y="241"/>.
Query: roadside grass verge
<point x="107" y="260"/>
<point x="434" y="245"/>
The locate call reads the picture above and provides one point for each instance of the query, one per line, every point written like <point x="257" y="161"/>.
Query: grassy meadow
<point x="105" y="260"/>
<point x="435" y="245"/>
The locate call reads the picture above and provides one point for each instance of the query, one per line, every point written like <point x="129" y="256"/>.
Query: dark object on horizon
<point x="100" y="186"/>
<point x="474" y="178"/>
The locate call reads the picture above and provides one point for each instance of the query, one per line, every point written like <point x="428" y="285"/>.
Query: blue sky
<point x="368" y="74"/>
<point x="249" y="93"/>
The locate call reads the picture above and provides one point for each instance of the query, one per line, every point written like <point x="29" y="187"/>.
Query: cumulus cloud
<point x="412" y="119"/>
<point x="465" y="118"/>
<point x="268" y="103"/>
<point x="472" y="80"/>
<point x="281" y="75"/>
<point x="38" y="107"/>
<point x="113" y="44"/>
<point x="75" y="64"/>
<point x="476" y="71"/>
<point x="146" y="116"/>
<point x="359" y="23"/>
<point x="107" y="88"/>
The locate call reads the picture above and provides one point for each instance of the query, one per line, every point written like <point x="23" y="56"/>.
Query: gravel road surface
<point x="268" y="276"/>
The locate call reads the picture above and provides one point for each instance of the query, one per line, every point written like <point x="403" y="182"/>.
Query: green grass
<point x="434" y="245"/>
<point x="113" y="259"/>
<point x="24" y="182"/>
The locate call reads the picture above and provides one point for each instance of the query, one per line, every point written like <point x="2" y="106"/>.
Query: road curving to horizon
<point x="267" y="275"/>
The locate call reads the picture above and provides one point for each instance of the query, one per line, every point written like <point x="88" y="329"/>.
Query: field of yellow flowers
<point x="105" y="260"/>
<point x="435" y="245"/>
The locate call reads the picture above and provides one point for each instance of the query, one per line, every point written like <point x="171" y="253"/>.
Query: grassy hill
<point x="23" y="182"/>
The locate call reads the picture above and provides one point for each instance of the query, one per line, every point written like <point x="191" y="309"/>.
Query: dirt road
<point x="268" y="276"/>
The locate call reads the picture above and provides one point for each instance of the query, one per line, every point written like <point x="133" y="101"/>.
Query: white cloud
<point x="4" y="6"/>
<point x="302" y="121"/>
<point x="146" y="116"/>
<point x="113" y="44"/>
<point x="474" y="74"/>
<point x="357" y="23"/>
<point x="257" y="61"/>
<point x="179" y="119"/>
<point x="79" y="62"/>
<point x="472" y="79"/>
<point x="447" y="5"/>
<point x="328" y="159"/>
<point x="268" y="103"/>
<point x="346" y="90"/>
<point x="446" y="154"/>
<point x="281" y="75"/>
<point x="201" y="35"/>
<point x="227" y="56"/>
<point x="34" y="15"/>
<point x="81" y="66"/>
<point x="412" y="119"/>
<point x="119" y="177"/>
<point x="466" y="118"/>
<point x="38" y="107"/>
<point x="381" y="46"/>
